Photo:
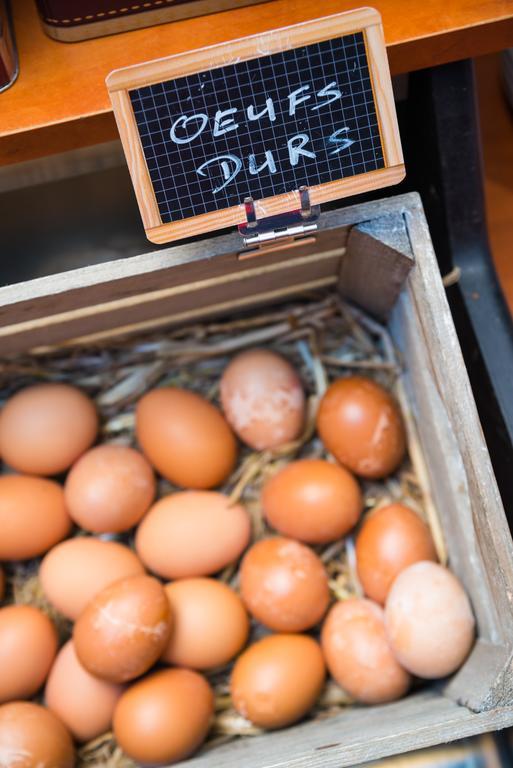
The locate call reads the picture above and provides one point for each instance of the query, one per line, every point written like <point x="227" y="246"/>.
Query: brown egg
<point x="124" y="629"/>
<point x="76" y="570"/>
<point x="185" y="438"/>
<point x="263" y="399"/>
<point x="358" y="653"/>
<point x="85" y="704"/>
<point x="360" y="424"/>
<point x="210" y="624"/>
<point x="429" y="620"/>
<point x="284" y="585"/>
<point x="277" y="680"/>
<point x="313" y="501"/>
<point x="390" y="539"/>
<point x="28" y="644"/>
<point x="32" y="737"/>
<point x="2" y="583"/>
<point x="109" y="489"/>
<point x="165" y="717"/>
<point x="193" y="533"/>
<point x="46" y="427"/>
<point x="33" y="516"/>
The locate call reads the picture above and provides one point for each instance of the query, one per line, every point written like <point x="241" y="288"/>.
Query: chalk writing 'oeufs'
<point x="187" y="129"/>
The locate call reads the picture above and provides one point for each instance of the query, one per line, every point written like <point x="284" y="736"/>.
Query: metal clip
<point x="293" y="224"/>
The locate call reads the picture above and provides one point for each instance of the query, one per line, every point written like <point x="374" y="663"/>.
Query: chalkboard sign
<point x="309" y="105"/>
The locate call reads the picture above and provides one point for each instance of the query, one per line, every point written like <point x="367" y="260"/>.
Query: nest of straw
<point x="324" y="338"/>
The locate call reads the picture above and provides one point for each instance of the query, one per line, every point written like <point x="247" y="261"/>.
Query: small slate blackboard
<point x="308" y="105"/>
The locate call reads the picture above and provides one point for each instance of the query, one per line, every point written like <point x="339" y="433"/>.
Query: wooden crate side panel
<point x="175" y="265"/>
<point x="358" y="735"/>
<point x="184" y="303"/>
<point x="141" y="276"/>
<point x="373" y="272"/>
<point x="462" y="479"/>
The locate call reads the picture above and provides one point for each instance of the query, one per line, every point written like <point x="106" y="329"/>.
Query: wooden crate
<point x="380" y="256"/>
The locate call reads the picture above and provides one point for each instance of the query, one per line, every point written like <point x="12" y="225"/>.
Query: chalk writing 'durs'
<point x="261" y="127"/>
<point x="308" y="105"/>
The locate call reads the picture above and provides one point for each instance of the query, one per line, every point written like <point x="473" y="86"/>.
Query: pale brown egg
<point x="165" y="717"/>
<point x="76" y="570"/>
<point x="358" y="654"/>
<point x="360" y="423"/>
<point x="390" y="539"/>
<point x="192" y="533"/>
<point x="263" y="399"/>
<point x="185" y="438"/>
<point x="109" y="489"/>
<point x="210" y="624"/>
<point x="277" y="680"/>
<point x="46" y="427"/>
<point x="429" y="620"/>
<point x="124" y="630"/>
<point x="284" y="585"/>
<point x="85" y="704"/>
<point x="33" y="516"/>
<point x="313" y="501"/>
<point x="28" y="644"/>
<point x="33" y="737"/>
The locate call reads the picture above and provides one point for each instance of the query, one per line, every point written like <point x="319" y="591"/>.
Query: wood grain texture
<point x="242" y="49"/>
<point x="125" y="23"/>
<point x="417" y="36"/>
<point x="121" y="81"/>
<point x="358" y="735"/>
<point x="136" y="161"/>
<point x="372" y="273"/>
<point x="269" y="206"/>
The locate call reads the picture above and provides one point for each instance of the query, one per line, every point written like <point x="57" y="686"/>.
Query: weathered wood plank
<point x="462" y="479"/>
<point x="377" y="261"/>
<point x="361" y="734"/>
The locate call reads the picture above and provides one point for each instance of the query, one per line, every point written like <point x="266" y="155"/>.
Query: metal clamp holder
<point x="293" y="224"/>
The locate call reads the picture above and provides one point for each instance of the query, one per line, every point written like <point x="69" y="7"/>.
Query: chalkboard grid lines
<point x="176" y="201"/>
<point x="182" y="193"/>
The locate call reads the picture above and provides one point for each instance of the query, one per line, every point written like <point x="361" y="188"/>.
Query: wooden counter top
<point x="60" y="101"/>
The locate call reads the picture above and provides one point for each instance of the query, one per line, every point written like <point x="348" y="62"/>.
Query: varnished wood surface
<point x="121" y="81"/>
<point x="60" y="101"/>
<point x="497" y="135"/>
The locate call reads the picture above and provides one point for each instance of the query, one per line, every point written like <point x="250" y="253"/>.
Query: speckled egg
<point x="124" y="630"/>
<point x="284" y="585"/>
<point x="263" y="399"/>
<point x="360" y="423"/>
<point x="109" y="489"/>
<point x="358" y="654"/>
<point x="429" y="620"/>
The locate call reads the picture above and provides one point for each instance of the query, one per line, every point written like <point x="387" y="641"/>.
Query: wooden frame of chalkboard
<point x="128" y="86"/>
